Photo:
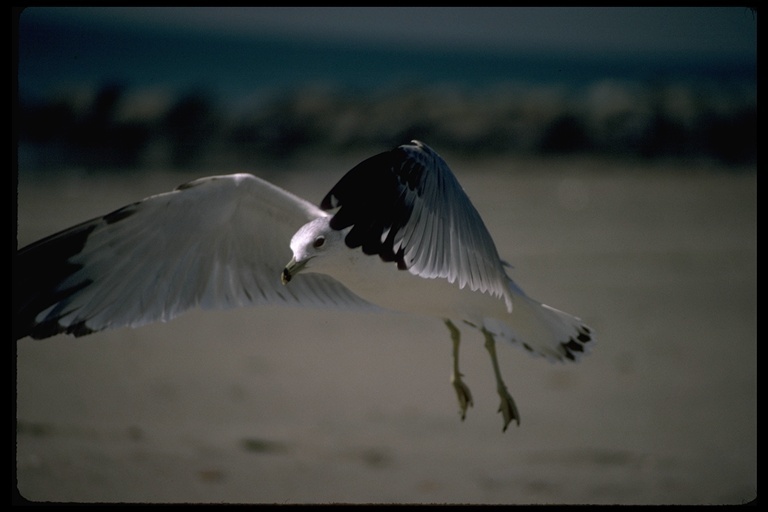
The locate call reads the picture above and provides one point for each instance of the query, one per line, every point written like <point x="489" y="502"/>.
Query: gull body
<point x="385" y="285"/>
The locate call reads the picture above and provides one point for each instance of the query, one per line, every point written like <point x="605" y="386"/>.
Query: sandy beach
<point x="286" y="406"/>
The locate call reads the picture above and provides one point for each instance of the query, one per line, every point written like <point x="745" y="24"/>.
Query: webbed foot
<point x="507" y="408"/>
<point x="462" y="393"/>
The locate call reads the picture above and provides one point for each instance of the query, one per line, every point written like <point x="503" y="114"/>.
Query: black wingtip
<point x="373" y="199"/>
<point x="38" y="271"/>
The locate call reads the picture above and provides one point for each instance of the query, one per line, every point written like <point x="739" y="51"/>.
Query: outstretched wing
<point x="217" y="242"/>
<point x="407" y="206"/>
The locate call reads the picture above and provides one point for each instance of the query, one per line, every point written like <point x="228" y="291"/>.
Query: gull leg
<point x="462" y="391"/>
<point x="507" y="407"/>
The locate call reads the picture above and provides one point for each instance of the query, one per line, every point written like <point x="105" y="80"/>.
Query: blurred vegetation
<point x="116" y="127"/>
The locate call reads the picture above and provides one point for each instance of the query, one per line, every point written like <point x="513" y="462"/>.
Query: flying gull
<point x="398" y="221"/>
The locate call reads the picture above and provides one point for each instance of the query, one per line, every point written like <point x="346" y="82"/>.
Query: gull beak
<point x="291" y="269"/>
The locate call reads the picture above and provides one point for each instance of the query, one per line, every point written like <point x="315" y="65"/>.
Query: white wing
<point x="217" y="242"/>
<point x="407" y="206"/>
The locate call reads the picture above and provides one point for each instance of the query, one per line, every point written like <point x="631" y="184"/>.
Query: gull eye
<point x="318" y="243"/>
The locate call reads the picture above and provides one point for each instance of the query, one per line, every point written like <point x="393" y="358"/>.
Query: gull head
<point x="317" y="246"/>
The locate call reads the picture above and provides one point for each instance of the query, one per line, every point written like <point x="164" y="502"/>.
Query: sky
<point x="721" y="31"/>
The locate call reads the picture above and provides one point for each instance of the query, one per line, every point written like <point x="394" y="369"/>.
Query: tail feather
<point x="542" y="330"/>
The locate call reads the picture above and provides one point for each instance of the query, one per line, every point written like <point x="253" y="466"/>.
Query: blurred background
<point x="180" y="87"/>
<point x="610" y="151"/>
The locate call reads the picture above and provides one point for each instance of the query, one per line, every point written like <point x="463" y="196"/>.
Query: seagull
<point x="396" y="233"/>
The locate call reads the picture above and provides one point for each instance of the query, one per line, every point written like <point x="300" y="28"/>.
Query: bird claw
<point x="463" y="394"/>
<point x="507" y="408"/>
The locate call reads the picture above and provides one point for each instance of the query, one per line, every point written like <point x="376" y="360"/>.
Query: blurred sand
<point x="297" y="406"/>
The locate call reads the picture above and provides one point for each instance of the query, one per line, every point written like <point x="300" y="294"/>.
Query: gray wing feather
<point x="217" y="242"/>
